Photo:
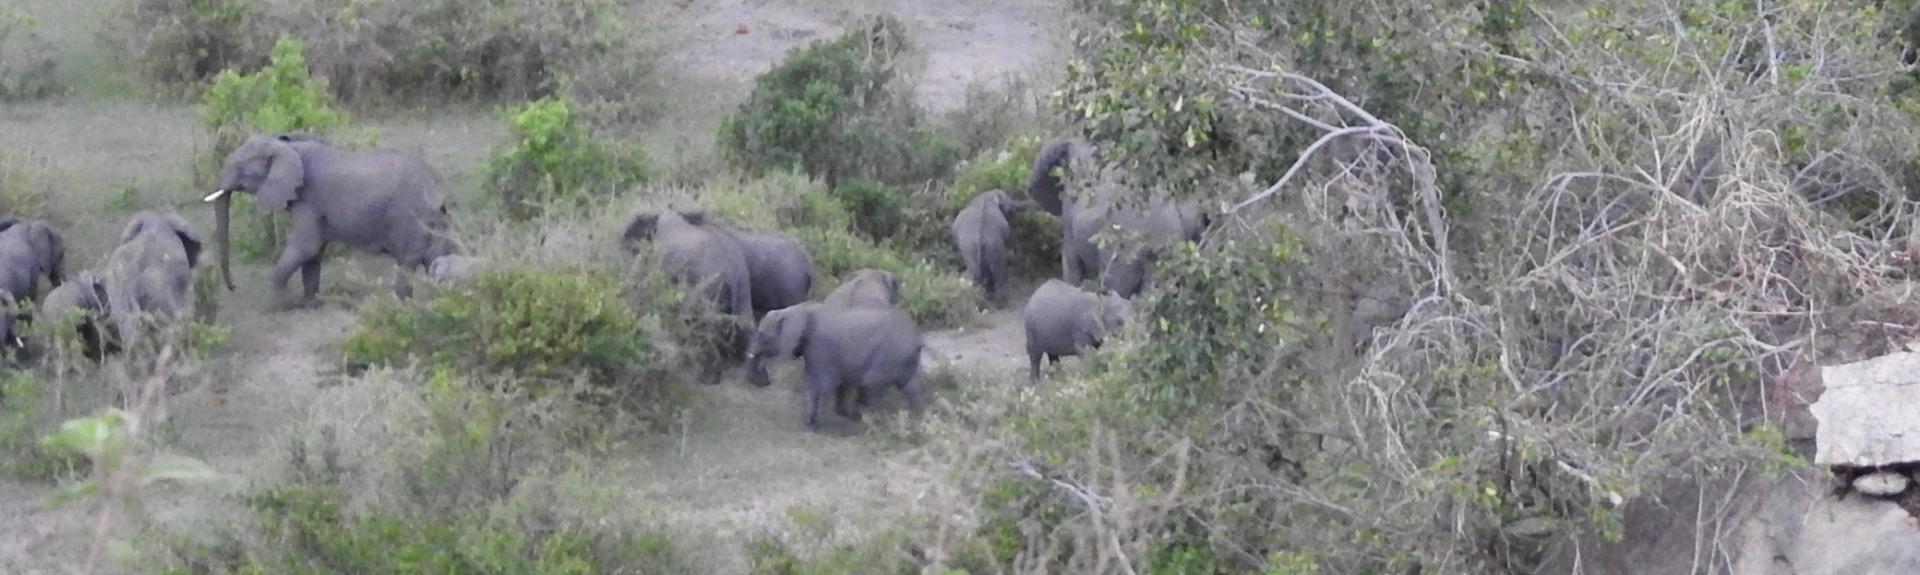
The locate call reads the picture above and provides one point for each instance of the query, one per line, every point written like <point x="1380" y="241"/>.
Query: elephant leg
<point x="916" y="391"/>
<point x="310" y="282"/>
<point x="402" y="282"/>
<point x="997" y="277"/>
<point x="1033" y="365"/>
<point x="814" y="391"/>
<point x="845" y="399"/>
<point x="304" y="242"/>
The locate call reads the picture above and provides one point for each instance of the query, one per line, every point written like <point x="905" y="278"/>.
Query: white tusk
<point x="214" y="196"/>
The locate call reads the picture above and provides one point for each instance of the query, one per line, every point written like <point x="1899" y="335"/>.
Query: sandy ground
<point x="744" y="460"/>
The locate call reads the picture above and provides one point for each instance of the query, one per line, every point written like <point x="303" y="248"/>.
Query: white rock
<point x="1880" y="483"/>
<point x="1867" y="413"/>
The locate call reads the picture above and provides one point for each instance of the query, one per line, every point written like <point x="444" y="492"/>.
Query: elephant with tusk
<point x="379" y="201"/>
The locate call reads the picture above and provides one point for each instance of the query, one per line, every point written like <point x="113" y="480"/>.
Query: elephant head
<point x="87" y="295"/>
<point x="1047" y="183"/>
<point x="642" y="226"/>
<point x="782" y="334"/>
<point x="1113" y="312"/>
<point x="867" y="287"/>
<point x="155" y="222"/>
<point x="266" y="166"/>
<point x="49" y="250"/>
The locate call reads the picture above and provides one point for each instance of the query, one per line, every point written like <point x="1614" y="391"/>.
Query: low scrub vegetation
<point x="554" y="162"/>
<point x="21" y="192"/>
<point x="545" y="329"/>
<point x="513" y="50"/>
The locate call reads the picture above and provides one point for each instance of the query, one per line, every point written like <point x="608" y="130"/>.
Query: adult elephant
<point x="1135" y="238"/>
<point x="380" y="201"/>
<point x="779" y="270"/>
<point x="1046" y="184"/>
<point x="701" y="255"/>
<point x="849" y="353"/>
<point x="149" y="276"/>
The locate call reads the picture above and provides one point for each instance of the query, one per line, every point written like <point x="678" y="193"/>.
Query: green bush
<point x="878" y="210"/>
<point x="831" y="109"/>
<point x="281" y="97"/>
<point x="554" y="163"/>
<point x="545" y="327"/>
<point x="26" y="59"/>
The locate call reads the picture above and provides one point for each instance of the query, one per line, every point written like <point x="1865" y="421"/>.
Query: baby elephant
<point x="849" y="352"/>
<point x="1061" y="320"/>
<point x="980" y="231"/>
<point x="779" y="270"/>
<point x="83" y="301"/>
<point x="867" y="287"/>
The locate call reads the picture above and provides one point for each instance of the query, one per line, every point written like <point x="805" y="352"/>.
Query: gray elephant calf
<point x="1061" y="320"/>
<point x="83" y="302"/>
<point x="150" y="274"/>
<point x="779" y="270"/>
<point x="29" y="249"/>
<point x="849" y="352"/>
<point x="702" y="255"/>
<point x="867" y="287"/>
<point x="980" y="232"/>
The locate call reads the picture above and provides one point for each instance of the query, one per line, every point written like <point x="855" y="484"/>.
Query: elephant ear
<point x="49" y="250"/>
<point x="286" y="174"/>
<point x="7" y="222"/>
<point x="796" y="323"/>
<point x="188" y="238"/>
<point x="640" y="227"/>
<point x="892" y="283"/>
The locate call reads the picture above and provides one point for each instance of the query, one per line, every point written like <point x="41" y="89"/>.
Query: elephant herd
<point x="854" y="342"/>
<point x="857" y="341"/>
<point x="144" y="284"/>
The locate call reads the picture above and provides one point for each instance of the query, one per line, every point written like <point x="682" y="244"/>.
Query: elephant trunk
<point x="222" y="217"/>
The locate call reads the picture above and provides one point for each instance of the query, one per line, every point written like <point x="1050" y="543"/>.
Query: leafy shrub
<point x="547" y="327"/>
<point x="832" y="110"/>
<point x="877" y="209"/>
<point x="554" y="163"/>
<point x="281" y="97"/>
<point x="320" y="536"/>
<point x="26" y="59"/>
